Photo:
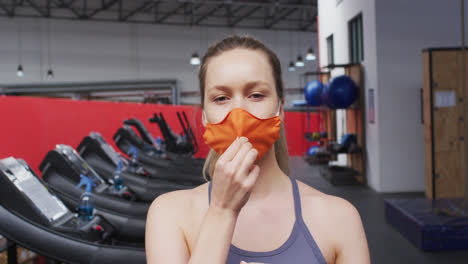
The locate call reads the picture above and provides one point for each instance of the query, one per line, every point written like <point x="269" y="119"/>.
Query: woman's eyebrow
<point x="248" y="86"/>
<point x="254" y="83"/>
<point x="219" y="87"/>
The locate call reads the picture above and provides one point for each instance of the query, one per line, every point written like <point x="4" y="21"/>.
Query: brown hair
<point x="245" y="42"/>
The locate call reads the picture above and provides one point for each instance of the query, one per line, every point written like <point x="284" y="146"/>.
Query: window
<point x="331" y="54"/>
<point x="356" y="49"/>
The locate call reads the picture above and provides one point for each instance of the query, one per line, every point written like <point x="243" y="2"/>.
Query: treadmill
<point x="32" y="216"/>
<point x="105" y="160"/>
<point x="126" y="139"/>
<point x="61" y="170"/>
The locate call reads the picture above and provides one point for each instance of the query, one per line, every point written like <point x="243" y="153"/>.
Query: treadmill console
<point x="111" y="153"/>
<point x="22" y="192"/>
<point x="115" y="157"/>
<point x="80" y="166"/>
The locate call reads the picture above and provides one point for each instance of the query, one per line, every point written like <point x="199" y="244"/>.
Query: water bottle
<point x="86" y="206"/>
<point x="133" y="160"/>
<point x="117" y="178"/>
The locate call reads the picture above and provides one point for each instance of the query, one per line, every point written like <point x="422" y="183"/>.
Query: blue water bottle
<point x="133" y="160"/>
<point x="117" y="178"/>
<point x="86" y="206"/>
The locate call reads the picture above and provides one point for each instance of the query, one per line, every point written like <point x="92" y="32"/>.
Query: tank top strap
<point x="209" y="191"/>
<point x="297" y="199"/>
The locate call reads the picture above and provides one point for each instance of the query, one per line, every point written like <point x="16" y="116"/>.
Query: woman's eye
<point x="220" y="99"/>
<point x="257" y="96"/>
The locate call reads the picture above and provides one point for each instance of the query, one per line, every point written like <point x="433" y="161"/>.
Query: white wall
<point x="334" y="19"/>
<point x="101" y="51"/>
<point x="395" y="33"/>
<point x="404" y="29"/>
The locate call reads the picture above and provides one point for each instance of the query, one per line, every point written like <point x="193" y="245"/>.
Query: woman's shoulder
<point x="179" y="204"/>
<point x="182" y="199"/>
<point x="312" y="198"/>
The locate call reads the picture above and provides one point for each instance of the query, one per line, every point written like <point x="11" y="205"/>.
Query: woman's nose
<point x="238" y="103"/>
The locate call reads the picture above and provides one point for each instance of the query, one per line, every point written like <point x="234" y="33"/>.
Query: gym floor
<point x="386" y="245"/>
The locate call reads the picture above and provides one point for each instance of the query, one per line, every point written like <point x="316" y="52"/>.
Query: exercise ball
<point x="313" y="93"/>
<point x="313" y="151"/>
<point x="341" y="92"/>
<point x="324" y="134"/>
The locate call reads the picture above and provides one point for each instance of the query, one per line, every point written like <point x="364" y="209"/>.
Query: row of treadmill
<point x="42" y="214"/>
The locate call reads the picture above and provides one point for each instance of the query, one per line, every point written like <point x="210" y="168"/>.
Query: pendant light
<point x="195" y="60"/>
<point x="50" y="73"/>
<point x="310" y="55"/>
<point x="19" y="70"/>
<point x="291" y="67"/>
<point x="299" y="61"/>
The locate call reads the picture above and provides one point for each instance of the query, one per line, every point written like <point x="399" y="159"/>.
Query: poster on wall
<point x="371" y="107"/>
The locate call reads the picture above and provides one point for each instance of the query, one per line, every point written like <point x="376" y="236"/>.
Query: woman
<point x="251" y="211"/>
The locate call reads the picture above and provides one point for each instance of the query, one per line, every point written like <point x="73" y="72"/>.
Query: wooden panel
<point x="427" y="123"/>
<point x="355" y="124"/>
<point x="329" y="117"/>
<point x="447" y="127"/>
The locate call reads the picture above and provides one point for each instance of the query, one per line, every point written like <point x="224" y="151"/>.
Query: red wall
<point x="30" y="127"/>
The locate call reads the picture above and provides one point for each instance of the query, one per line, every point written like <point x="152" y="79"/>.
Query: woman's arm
<point x="351" y="239"/>
<point x="234" y="177"/>
<point x="164" y="237"/>
<point x="215" y="237"/>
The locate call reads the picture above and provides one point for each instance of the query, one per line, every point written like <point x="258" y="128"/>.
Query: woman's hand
<point x="234" y="176"/>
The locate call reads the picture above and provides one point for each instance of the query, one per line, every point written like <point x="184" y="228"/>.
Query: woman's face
<point x="239" y="78"/>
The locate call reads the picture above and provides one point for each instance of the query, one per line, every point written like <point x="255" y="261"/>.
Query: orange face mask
<point x="262" y="133"/>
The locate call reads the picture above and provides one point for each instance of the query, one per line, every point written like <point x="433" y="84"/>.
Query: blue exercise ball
<point x="341" y="92"/>
<point x="313" y="151"/>
<point x="324" y="134"/>
<point x="313" y="93"/>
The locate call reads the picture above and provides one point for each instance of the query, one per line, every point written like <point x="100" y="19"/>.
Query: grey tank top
<point x="299" y="248"/>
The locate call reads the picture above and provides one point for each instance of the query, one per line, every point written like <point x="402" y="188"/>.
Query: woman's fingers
<point x="232" y="150"/>
<point x="252" y="177"/>
<point x="239" y="157"/>
<point x="248" y="161"/>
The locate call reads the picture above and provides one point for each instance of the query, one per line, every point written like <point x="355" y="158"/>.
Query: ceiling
<point x="296" y="15"/>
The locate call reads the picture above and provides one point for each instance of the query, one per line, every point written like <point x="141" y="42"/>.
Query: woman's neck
<point x="271" y="178"/>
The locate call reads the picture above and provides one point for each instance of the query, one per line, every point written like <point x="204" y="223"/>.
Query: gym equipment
<point x="35" y="218"/>
<point x="61" y="170"/>
<point x="181" y="160"/>
<point x="105" y="160"/>
<point x="340" y="175"/>
<point x="144" y="133"/>
<point x="125" y="138"/>
<point x="348" y="144"/>
<point x="418" y="221"/>
<point x="314" y="150"/>
<point x="318" y="155"/>
<point x="313" y="93"/>
<point x="185" y="144"/>
<point x="340" y="93"/>
<point x="324" y="134"/>
<point x="316" y="136"/>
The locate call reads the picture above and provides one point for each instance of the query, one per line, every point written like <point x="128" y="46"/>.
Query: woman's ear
<point x="203" y="118"/>
<point x="282" y="110"/>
